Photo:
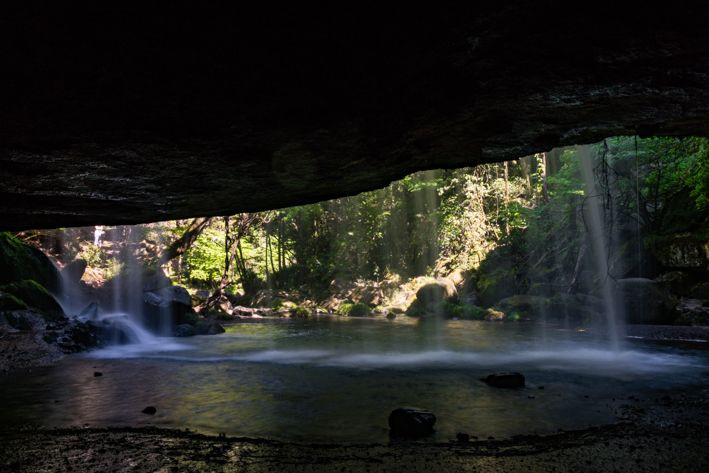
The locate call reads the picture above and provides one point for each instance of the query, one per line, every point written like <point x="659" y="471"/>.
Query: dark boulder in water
<point x="173" y="302"/>
<point x="409" y="422"/>
<point x="207" y="327"/>
<point x="505" y="380"/>
<point x="150" y="410"/>
<point x="184" y="330"/>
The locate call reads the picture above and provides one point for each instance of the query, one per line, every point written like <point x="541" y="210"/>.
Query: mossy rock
<point x="352" y="309"/>
<point x="494" y="315"/>
<point x="359" y="310"/>
<point x="10" y="302"/>
<point x="33" y="295"/>
<point x="524" y="306"/>
<point x="464" y="311"/>
<point x="438" y="298"/>
<point x="19" y="261"/>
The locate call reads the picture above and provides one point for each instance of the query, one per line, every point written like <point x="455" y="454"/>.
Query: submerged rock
<point x="184" y="330"/>
<point x="208" y="327"/>
<point x="173" y="302"/>
<point x="505" y="380"/>
<point x="409" y="422"/>
<point x="150" y="410"/>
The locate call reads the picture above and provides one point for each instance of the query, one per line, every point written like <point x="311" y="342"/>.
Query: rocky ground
<point x="653" y="435"/>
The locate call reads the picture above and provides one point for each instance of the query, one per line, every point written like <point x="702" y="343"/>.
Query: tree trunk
<point x="545" y="190"/>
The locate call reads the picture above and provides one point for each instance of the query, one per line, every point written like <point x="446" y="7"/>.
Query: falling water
<point x="593" y="215"/>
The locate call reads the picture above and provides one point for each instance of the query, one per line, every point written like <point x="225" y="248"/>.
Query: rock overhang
<point x="113" y="116"/>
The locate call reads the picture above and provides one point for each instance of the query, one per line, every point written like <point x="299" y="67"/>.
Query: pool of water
<point x="337" y="379"/>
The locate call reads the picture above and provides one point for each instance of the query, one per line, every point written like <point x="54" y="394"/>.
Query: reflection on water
<point x="337" y="380"/>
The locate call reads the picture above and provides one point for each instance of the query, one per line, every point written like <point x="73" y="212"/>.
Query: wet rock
<point x="97" y="374"/>
<point x="409" y="422"/>
<point x="462" y="437"/>
<point x="208" y="327"/>
<point x="150" y="410"/>
<point x="25" y="320"/>
<point x="89" y="312"/>
<point x="78" y="336"/>
<point x="391" y="315"/>
<point x="505" y="380"/>
<point x="73" y="271"/>
<point x="184" y="330"/>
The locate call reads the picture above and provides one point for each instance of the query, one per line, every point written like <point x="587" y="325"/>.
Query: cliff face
<point x="125" y="116"/>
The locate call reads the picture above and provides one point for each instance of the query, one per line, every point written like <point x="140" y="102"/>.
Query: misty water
<point x="336" y="380"/>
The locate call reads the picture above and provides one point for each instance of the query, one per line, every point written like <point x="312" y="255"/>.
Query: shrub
<point x="300" y="311"/>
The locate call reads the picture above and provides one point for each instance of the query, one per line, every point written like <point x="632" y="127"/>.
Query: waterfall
<point x="593" y="216"/>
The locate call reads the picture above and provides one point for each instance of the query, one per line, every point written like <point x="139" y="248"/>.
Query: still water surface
<point x="336" y="380"/>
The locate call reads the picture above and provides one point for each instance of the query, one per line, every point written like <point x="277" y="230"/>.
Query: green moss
<point x="10" y="302"/>
<point x="34" y="295"/>
<point x="359" y="310"/>
<point x="354" y="309"/>
<point x="300" y="311"/>
<point x="345" y="308"/>
<point x="463" y="311"/>
<point x="20" y="262"/>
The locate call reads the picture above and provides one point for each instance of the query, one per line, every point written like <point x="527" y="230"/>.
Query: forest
<point x="501" y="240"/>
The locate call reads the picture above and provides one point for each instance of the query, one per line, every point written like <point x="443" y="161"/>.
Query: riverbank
<point x="652" y="435"/>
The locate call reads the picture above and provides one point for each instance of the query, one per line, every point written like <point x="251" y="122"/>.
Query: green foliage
<point x="204" y="261"/>
<point x="93" y="255"/>
<point x="300" y="311"/>
<point x="345" y="308"/>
